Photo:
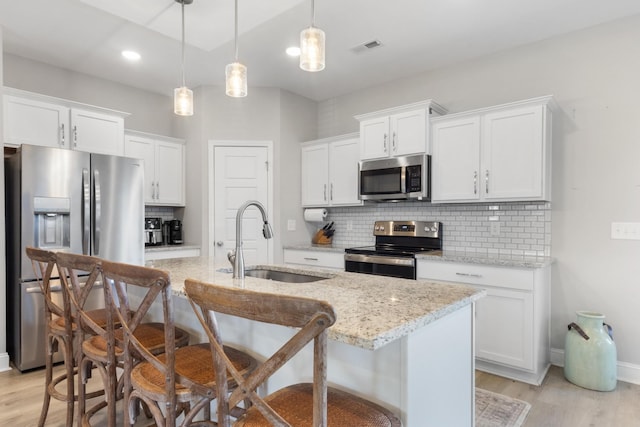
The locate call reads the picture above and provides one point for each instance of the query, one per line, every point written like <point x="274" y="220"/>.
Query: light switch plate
<point x="625" y="230"/>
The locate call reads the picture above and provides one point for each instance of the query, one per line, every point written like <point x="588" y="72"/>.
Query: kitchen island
<point x="405" y="344"/>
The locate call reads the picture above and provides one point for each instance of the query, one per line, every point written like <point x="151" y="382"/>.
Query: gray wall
<point x="266" y="114"/>
<point x="593" y="75"/>
<point x="150" y="112"/>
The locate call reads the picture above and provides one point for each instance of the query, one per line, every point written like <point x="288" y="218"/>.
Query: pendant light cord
<point x="313" y="13"/>
<point x="236" y="31"/>
<point x="184" y="84"/>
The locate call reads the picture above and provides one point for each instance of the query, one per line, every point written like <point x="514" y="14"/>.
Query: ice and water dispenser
<point x="52" y="222"/>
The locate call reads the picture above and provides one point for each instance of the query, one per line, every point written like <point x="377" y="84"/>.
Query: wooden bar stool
<point x="308" y="404"/>
<point x="61" y="330"/>
<point x="100" y="349"/>
<point x="167" y="383"/>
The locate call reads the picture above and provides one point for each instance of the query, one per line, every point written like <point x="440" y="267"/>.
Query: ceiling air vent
<point x="366" y="46"/>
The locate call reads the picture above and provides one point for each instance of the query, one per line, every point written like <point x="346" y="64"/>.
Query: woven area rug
<point x="496" y="410"/>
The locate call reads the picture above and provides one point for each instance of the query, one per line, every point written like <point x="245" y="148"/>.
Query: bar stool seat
<point x="193" y="362"/>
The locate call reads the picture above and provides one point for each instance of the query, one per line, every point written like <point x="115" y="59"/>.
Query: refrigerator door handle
<point x="38" y="290"/>
<point x="96" y="212"/>
<point x="86" y="211"/>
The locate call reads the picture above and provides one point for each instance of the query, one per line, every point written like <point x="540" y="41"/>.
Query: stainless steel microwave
<point x="395" y="179"/>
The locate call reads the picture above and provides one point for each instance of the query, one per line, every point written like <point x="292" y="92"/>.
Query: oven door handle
<point x="377" y="259"/>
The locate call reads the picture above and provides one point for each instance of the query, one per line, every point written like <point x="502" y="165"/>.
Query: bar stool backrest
<point x="312" y="317"/>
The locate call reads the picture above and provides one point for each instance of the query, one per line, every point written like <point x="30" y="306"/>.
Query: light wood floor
<point x="556" y="403"/>
<point x="21" y="398"/>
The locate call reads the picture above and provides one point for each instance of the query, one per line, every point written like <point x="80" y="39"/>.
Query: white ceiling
<point x="416" y="35"/>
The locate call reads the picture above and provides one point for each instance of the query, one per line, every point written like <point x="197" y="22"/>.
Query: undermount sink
<point x="282" y="276"/>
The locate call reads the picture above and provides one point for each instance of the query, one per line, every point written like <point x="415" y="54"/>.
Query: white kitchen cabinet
<point x="164" y="166"/>
<point x="329" y="171"/>
<point x="501" y="153"/>
<point x="315" y="258"/>
<point x="95" y="132"/>
<point x="512" y="321"/>
<point x="397" y="131"/>
<point x="42" y="120"/>
<point x="167" y="252"/>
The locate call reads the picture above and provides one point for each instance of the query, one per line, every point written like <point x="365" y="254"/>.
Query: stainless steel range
<point x="397" y="244"/>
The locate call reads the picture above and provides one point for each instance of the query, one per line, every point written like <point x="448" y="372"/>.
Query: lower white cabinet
<point x="170" y="252"/>
<point x="512" y="321"/>
<point x="311" y="258"/>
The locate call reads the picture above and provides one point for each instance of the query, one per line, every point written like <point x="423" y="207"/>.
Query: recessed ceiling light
<point x="131" y="55"/>
<point x="293" y="51"/>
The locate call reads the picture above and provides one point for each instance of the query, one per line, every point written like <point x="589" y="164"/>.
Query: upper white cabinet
<point x="329" y="169"/>
<point x="397" y="131"/>
<point x="164" y="166"/>
<point x="42" y="120"/>
<point x="501" y="153"/>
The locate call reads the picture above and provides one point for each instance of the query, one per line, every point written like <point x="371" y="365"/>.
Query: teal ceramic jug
<point x="590" y="354"/>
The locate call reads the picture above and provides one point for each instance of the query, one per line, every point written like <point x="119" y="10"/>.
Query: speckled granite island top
<point x="371" y="310"/>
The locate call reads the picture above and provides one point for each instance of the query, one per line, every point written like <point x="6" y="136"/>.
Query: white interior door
<point x="241" y="174"/>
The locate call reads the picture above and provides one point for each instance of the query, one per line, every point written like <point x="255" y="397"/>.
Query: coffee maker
<point x="173" y="232"/>
<point x="152" y="232"/>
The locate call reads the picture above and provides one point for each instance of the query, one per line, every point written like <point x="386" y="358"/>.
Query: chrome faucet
<point x="236" y="257"/>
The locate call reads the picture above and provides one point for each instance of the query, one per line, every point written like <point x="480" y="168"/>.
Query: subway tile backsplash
<point x="523" y="228"/>
<point x="164" y="212"/>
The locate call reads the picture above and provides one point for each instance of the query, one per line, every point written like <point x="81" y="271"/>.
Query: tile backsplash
<point x="522" y="228"/>
<point x="164" y="212"/>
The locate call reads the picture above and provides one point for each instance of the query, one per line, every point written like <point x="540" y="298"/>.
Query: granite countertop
<point x="458" y="256"/>
<point x="164" y="248"/>
<point x="319" y="248"/>
<point x="488" y="259"/>
<point x="371" y="310"/>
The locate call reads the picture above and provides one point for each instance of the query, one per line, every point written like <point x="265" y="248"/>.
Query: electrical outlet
<point x="291" y="225"/>
<point x="625" y="230"/>
<point x="349" y="225"/>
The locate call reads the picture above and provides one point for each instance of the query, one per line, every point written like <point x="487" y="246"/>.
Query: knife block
<point x="320" y="239"/>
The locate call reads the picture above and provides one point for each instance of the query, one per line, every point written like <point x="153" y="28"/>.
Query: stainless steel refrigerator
<point x="71" y="201"/>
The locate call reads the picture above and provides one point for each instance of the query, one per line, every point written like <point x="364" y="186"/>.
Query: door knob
<point x="219" y="243"/>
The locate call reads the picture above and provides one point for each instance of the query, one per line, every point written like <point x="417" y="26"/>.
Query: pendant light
<point x="236" y="73"/>
<point x="312" y="46"/>
<point x="183" y="96"/>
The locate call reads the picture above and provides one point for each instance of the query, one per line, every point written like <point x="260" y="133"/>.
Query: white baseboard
<point x="4" y="362"/>
<point x="627" y="372"/>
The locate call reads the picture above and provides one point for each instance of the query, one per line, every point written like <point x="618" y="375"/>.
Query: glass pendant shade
<point x="183" y="101"/>
<point x="236" y="74"/>
<point x="312" y="49"/>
